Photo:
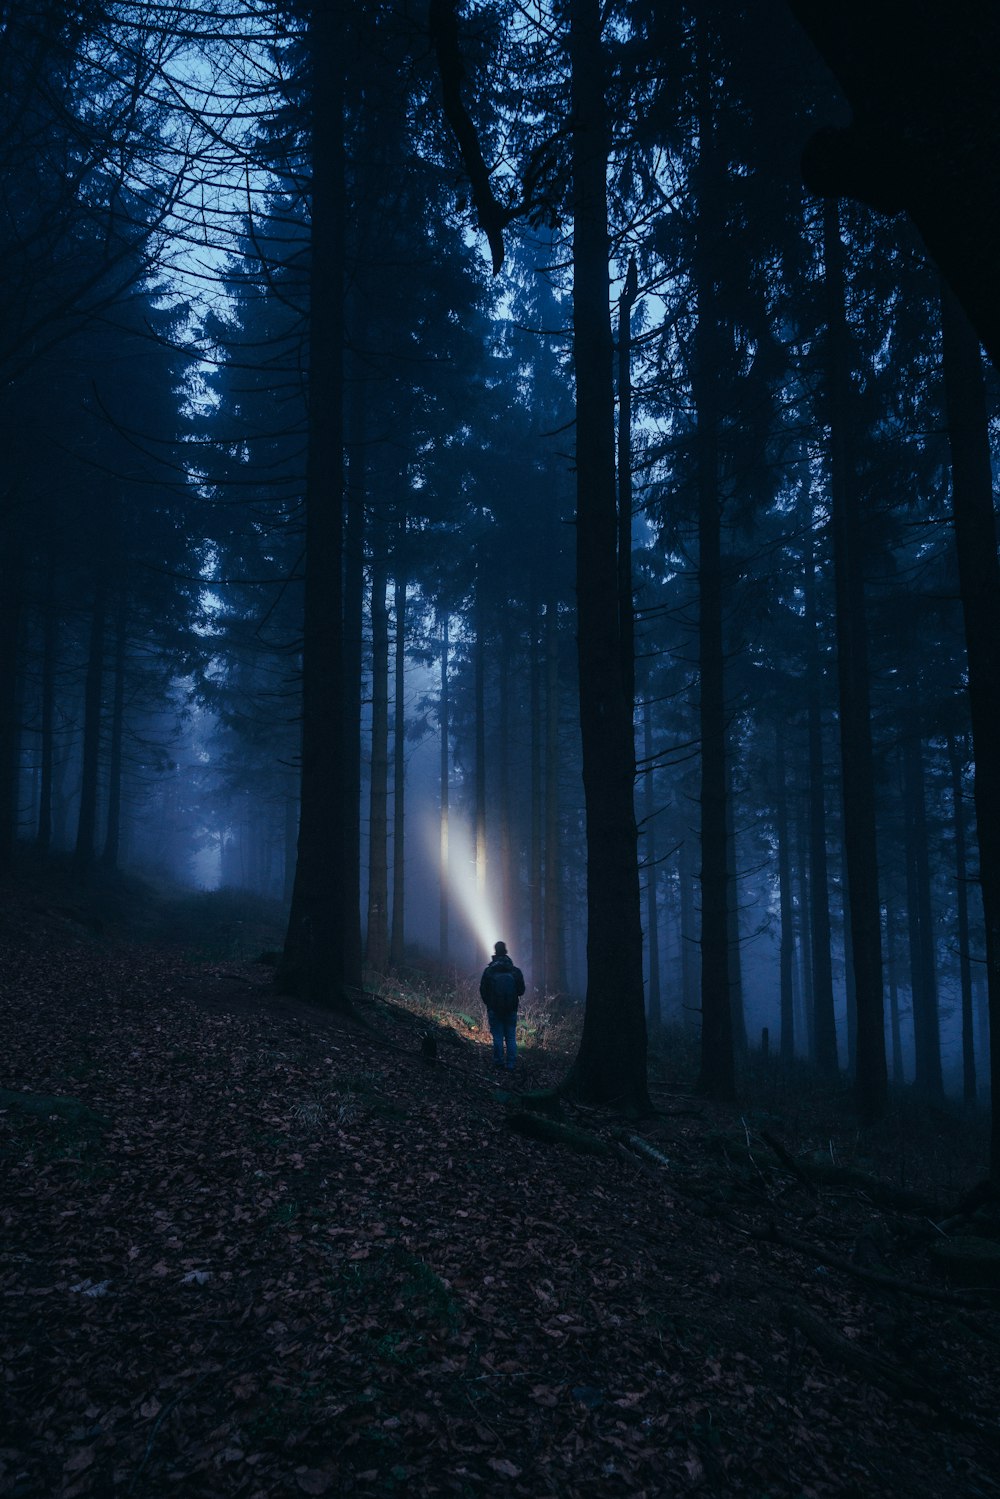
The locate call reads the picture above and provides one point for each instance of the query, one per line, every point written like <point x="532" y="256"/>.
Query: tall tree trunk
<point x="535" y="854"/>
<point x="397" y="938"/>
<point x="690" y="936"/>
<point x="504" y="809"/>
<point x="626" y="610"/>
<point x="860" y="846"/>
<point x="50" y="627"/>
<point x="739" y="1021"/>
<point x="955" y="763"/>
<point x="112" y="841"/>
<point x="923" y="972"/>
<point x="718" y="1072"/>
<point x="443" y="724"/>
<point x="805" y="964"/>
<point x="377" y="949"/>
<point x="655" y="1004"/>
<point x="611" y="1063"/>
<point x="555" y="950"/>
<point x="354" y="604"/>
<point x="979" y="580"/>
<point x="313" y="964"/>
<point x="823" y="1013"/>
<point x="10" y="630"/>
<point x="787" y="947"/>
<point x="86" y="828"/>
<point x="891" y="973"/>
<point x="479" y="687"/>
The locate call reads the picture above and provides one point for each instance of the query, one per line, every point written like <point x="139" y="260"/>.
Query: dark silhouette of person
<point x="500" y="988"/>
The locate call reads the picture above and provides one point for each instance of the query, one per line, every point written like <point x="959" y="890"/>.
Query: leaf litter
<point x="292" y="1259"/>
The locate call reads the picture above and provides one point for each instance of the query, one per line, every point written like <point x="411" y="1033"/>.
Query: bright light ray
<point x="472" y="904"/>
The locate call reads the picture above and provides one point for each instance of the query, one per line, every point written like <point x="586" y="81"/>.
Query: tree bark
<point x="444" y="729"/>
<point x="717" y="1078"/>
<point x="979" y="581"/>
<point x="377" y="949"/>
<point x="787" y="947"/>
<point x="112" y="841"/>
<point x="824" y="1016"/>
<point x="50" y="626"/>
<point x="860" y="846"/>
<point x="397" y="936"/>
<point x="610" y="1066"/>
<point x="535" y="853"/>
<point x="955" y="762"/>
<point x="313" y="964"/>
<point x="354" y="603"/>
<point x="10" y="629"/>
<point x="479" y="688"/>
<point x="654" y="997"/>
<point x="923" y="972"/>
<point x="555" y="961"/>
<point x="86" y="828"/>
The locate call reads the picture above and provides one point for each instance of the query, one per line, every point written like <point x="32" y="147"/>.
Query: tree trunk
<point x="50" y="627"/>
<point x="504" y="809"/>
<point x="824" y="1015"/>
<point x="479" y="687"/>
<point x="86" y="828"/>
<point x="397" y="938"/>
<point x="718" y="1073"/>
<point x="555" y="960"/>
<point x="895" y="1029"/>
<point x="923" y="972"/>
<point x="377" y="949"/>
<point x="787" y="948"/>
<point x="10" y="629"/>
<point x="610" y="1066"/>
<point x="354" y="604"/>
<point x="955" y="763"/>
<point x="535" y="854"/>
<point x="979" y="580"/>
<point x="112" y="841"/>
<point x="626" y="610"/>
<point x="444" y="887"/>
<point x="654" y="998"/>
<point x="860" y="847"/>
<point x="313" y="964"/>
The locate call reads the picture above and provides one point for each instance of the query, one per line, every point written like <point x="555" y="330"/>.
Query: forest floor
<point x="249" y="1249"/>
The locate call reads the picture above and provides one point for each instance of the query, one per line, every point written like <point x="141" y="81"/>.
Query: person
<point x="500" y="988"/>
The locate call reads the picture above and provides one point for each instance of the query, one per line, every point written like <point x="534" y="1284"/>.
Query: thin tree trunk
<point x="787" y="947"/>
<point x="86" y="828"/>
<point x="443" y="725"/>
<point x="626" y="610"/>
<point x="112" y="842"/>
<point x="805" y="964"/>
<point x="504" y="810"/>
<point x="537" y="796"/>
<point x="610" y="1066"/>
<point x="397" y="938"/>
<point x="313" y="964"/>
<point x="926" y="1023"/>
<point x="555" y="959"/>
<point x="10" y="630"/>
<point x="655" y="1005"/>
<point x="50" y="627"/>
<point x="479" y="687"/>
<point x="718" y="1074"/>
<point x="689" y="935"/>
<point x="824" y="1022"/>
<point x="979" y="580"/>
<point x="955" y="762"/>
<point x="354" y="604"/>
<point x="860" y="845"/>
<point x="891" y="973"/>
<point x="377" y="948"/>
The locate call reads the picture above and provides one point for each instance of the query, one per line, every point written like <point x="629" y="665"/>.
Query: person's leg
<point x="511" y="1039"/>
<point x="497" y="1032"/>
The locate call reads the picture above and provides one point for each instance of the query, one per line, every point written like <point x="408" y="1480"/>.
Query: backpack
<point x="503" y="993"/>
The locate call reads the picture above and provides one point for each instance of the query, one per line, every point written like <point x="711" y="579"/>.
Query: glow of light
<point x="467" y="897"/>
